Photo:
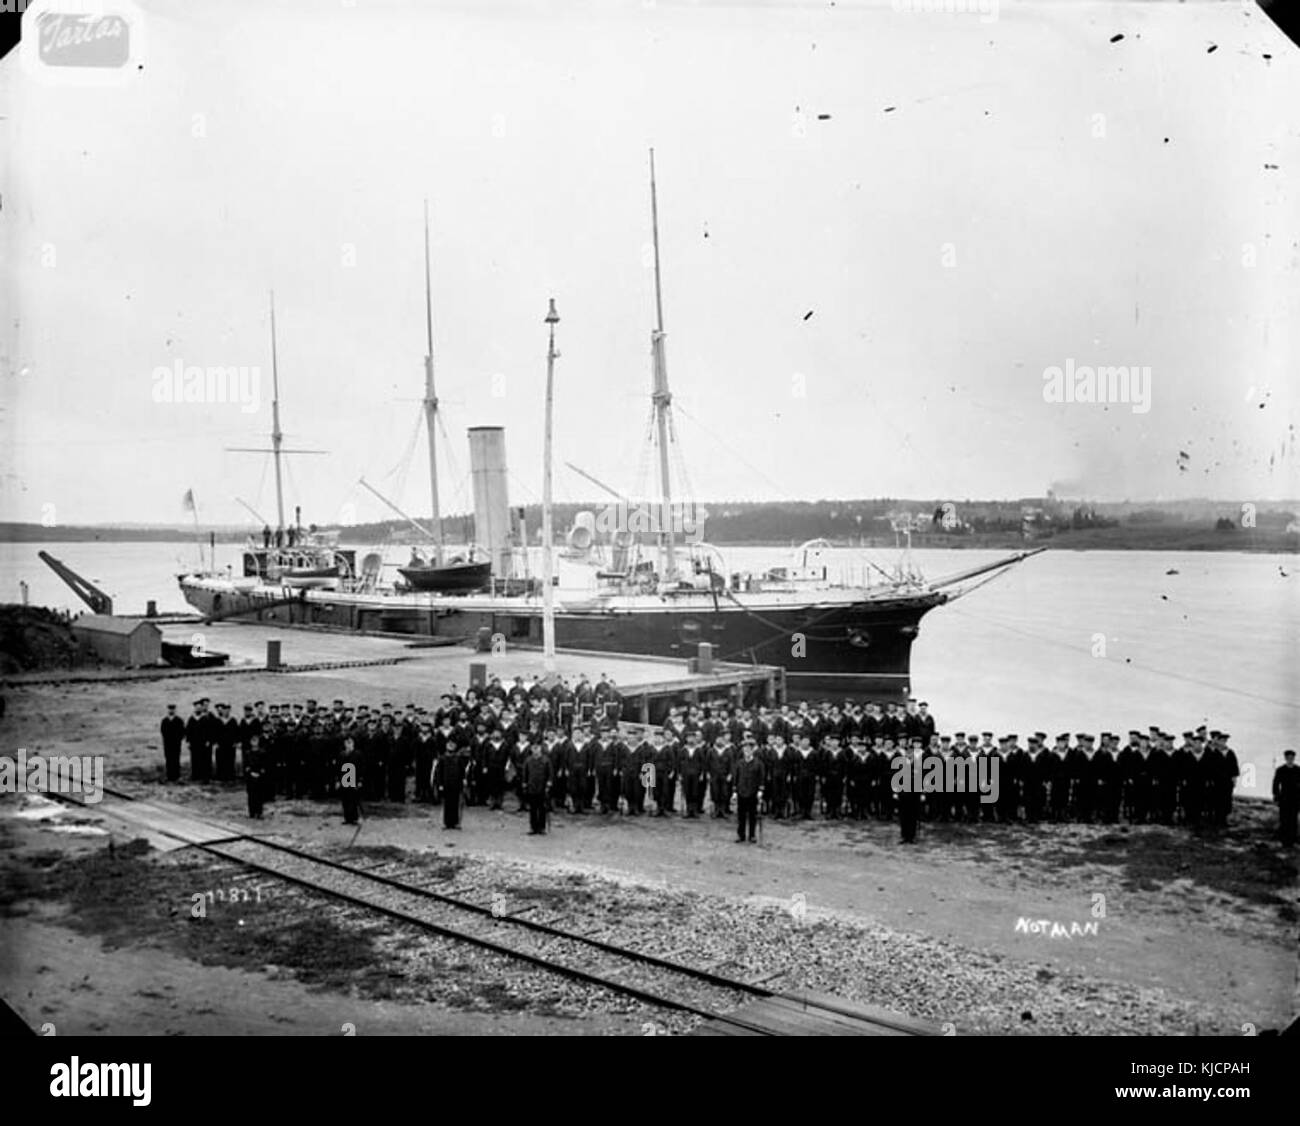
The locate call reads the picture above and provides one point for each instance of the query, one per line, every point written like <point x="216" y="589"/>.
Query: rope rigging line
<point x="639" y="481"/>
<point x="292" y="490"/>
<point x="460" y="481"/>
<point x="402" y="468"/>
<point x="261" y="482"/>
<point x="778" y="630"/>
<point x="1082" y="650"/>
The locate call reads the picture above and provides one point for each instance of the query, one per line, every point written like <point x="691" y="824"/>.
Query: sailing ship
<point x="849" y="638"/>
<point x="290" y="556"/>
<point x="439" y="574"/>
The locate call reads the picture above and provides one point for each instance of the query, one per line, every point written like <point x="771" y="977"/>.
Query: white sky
<point x="527" y="126"/>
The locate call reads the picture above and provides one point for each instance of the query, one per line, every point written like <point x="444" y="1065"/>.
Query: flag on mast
<point x="187" y="502"/>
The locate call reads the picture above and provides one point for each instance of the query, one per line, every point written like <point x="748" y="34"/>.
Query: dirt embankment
<point x="32" y="637"/>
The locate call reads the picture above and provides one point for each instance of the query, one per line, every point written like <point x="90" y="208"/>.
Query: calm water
<point x="1077" y="641"/>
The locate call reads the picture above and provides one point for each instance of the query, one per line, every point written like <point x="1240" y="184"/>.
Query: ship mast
<point x="661" y="397"/>
<point x="277" y="436"/>
<point x="548" y="562"/>
<point x="430" y="398"/>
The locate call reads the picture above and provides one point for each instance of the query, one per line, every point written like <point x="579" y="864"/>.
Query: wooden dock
<point x="405" y="668"/>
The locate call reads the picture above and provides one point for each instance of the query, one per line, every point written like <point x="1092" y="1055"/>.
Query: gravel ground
<point x="908" y="973"/>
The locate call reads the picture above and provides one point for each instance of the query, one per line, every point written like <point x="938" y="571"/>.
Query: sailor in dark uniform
<point x="832" y="771"/>
<point x="1077" y="770"/>
<point x="376" y="747"/>
<point x="882" y="785"/>
<point x="805" y="768"/>
<point x="450" y="773"/>
<point x="721" y="760"/>
<point x="925" y="724"/>
<point x="749" y="790"/>
<point x="777" y="760"/>
<point x="912" y="723"/>
<point x="1009" y="761"/>
<point x="1059" y="797"/>
<point x="891" y="724"/>
<point x="1286" y="793"/>
<point x="1210" y="768"/>
<point x="557" y="751"/>
<point x="226" y="740"/>
<point x="1142" y="780"/>
<point x="254" y="776"/>
<point x="1179" y="769"/>
<point x="398" y="762"/>
<point x="197" y="735"/>
<point x="1085" y="784"/>
<point x="249" y="726"/>
<point x="424" y="752"/>
<point x="173" y="734"/>
<point x="858" y="777"/>
<point x="1193" y="784"/>
<point x="607" y="754"/>
<point x="1229" y="772"/>
<point x="635" y="775"/>
<point x="904" y="766"/>
<point x="349" y="781"/>
<point x="496" y="757"/>
<point x="1129" y="765"/>
<point x="664" y="759"/>
<point x="935" y="804"/>
<point x="1035" y="779"/>
<point x="1161" y="782"/>
<point x="578" y="766"/>
<point x="992" y="761"/>
<point x="536" y="785"/>
<point x="693" y="769"/>
<point x="959" y="806"/>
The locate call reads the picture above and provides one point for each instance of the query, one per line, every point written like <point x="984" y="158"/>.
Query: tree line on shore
<point x="1174" y="525"/>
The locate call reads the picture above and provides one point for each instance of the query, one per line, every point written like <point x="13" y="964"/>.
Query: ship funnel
<point x="487" y="460"/>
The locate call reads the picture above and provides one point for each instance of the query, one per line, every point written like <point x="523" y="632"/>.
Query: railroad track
<point x="465" y="911"/>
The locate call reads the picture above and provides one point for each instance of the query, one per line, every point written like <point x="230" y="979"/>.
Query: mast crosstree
<point x="277" y="435"/>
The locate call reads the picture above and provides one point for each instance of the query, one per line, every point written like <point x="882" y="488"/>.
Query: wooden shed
<point x="119" y="641"/>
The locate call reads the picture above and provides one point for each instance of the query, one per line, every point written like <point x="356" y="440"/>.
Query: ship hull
<point x="844" y="647"/>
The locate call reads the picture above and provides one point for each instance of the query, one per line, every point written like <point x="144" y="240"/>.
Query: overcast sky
<point x="878" y="229"/>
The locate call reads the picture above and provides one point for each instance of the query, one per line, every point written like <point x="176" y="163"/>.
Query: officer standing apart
<point x="254" y="783"/>
<point x="537" y="774"/>
<point x="350" y="780"/>
<point x="749" y="791"/>
<point x="1286" y="792"/>
<point x="449" y="774"/>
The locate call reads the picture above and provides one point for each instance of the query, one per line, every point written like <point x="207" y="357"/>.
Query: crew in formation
<point x="564" y="750"/>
